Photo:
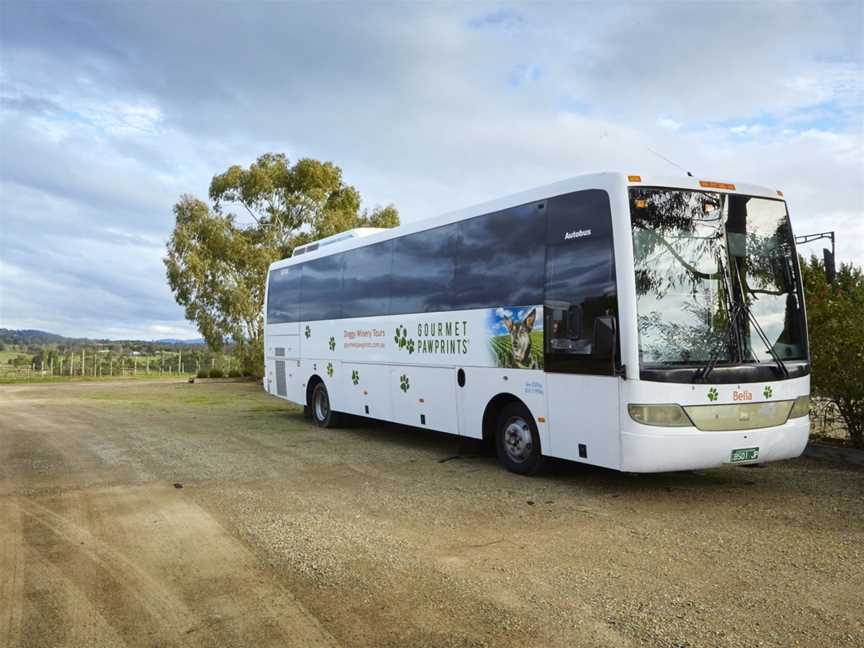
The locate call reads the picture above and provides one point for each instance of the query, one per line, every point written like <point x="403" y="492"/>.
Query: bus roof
<point x="605" y="180"/>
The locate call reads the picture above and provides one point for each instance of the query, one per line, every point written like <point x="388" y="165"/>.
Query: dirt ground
<point x="171" y="514"/>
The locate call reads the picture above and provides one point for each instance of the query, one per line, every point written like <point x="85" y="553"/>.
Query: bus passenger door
<point x="580" y="330"/>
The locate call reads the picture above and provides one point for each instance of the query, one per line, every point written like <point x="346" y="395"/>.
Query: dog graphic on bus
<point x="516" y="336"/>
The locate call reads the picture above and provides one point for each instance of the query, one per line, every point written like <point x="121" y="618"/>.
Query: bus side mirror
<point x="830" y="269"/>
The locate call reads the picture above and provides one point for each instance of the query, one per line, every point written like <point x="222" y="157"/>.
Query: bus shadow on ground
<point x="451" y="448"/>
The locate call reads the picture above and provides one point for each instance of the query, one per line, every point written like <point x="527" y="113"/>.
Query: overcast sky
<point x="108" y="112"/>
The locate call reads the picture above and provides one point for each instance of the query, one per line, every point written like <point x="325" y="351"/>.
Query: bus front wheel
<point x="322" y="414"/>
<point x="517" y="440"/>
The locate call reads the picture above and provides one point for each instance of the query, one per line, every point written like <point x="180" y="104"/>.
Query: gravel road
<point x="170" y="514"/>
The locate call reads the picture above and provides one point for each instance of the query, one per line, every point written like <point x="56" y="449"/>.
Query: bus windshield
<point x="716" y="279"/>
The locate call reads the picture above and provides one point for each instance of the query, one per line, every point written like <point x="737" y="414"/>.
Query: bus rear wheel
<point x="322" y="414"/>
<point x="517" y="440"/>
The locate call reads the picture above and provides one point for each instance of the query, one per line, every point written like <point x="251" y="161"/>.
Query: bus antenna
<point x="665" y="159"/>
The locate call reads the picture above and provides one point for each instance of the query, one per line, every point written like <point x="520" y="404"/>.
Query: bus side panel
<point x="484" y="384"/>
<point x="282" y="352"/>
<point x="584" y="410"/>
<point x="424" y="397"/>
<point x="295" y="382"/>
<point x="366" y="388"/>
<point x="289" y="328"/>
<point x="287" y="346"/>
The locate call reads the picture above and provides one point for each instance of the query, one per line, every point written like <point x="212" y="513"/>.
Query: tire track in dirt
<point x="121" y="582"/>
<point x="141" y="568"/>
<point x="11" y="576"/>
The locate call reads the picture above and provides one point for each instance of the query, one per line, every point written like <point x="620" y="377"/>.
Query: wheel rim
<point x="518" y="441"/>
<point x="322" y="405"/>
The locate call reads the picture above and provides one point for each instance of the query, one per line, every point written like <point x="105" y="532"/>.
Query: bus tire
<point x="322" y="414"/>
<point x="517" y="440"/>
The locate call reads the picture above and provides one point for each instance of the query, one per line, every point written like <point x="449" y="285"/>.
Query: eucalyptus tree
<point x="217" y="259"/>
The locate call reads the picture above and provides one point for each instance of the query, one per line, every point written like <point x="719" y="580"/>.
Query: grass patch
<point x="6" y="356"/>
<point x="19" y="379"/>
<point x="166" y="397"/>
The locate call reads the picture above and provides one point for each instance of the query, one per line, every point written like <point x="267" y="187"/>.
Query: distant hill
<point x="28" y="337"/>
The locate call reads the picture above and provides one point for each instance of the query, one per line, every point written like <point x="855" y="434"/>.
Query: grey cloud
<point x="98" y="267"/>
<point x="29" y="104"/>
<point x="85" y="171"/>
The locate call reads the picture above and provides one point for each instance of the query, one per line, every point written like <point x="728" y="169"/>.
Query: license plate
<point x="745" y="454"/>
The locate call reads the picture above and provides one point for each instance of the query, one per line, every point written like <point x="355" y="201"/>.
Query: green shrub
<point x="202" y="373"/>
<point x="216" y="373"/>
<point x="834" y="315"/>
<point x="234" y="373"/>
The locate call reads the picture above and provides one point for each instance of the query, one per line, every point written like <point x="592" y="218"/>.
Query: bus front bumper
<point x="648" y="451"/>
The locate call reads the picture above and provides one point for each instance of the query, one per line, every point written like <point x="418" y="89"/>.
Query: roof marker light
<point x="710" y="184"/>
<point x="634" y="178"/>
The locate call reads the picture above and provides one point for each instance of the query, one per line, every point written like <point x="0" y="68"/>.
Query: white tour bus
<point x="640" y="323"/>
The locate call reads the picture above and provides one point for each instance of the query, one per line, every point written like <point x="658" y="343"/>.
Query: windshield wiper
<point x="703" y="372"/>
<point x="745" y="307"/>
<point x="733" y="333"/>
<point x="782" y="365"/>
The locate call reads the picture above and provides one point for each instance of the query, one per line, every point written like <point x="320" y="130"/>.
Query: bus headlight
<point x="666" y="415"/>
<point x="801" y="407"/>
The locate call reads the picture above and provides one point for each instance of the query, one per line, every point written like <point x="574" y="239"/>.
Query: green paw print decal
<point x="355" y="377"/>
<point x="308" y="332"/>
<point x="404" y="383"/>
<point x="401" y="339"/>
<point x="332" y="343"/>
<point x="330" y="369"/>
<point x="712" y="394"/>
<point x="768" y="392"/>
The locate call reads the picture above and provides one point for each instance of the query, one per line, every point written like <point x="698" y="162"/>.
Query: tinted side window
<point x="581" y="302"/>
<point x="500" y="260"/>
<point x="283" y="296"/>
<point x="423" y="268"/>
<point x="321" y="289"/>
<point x="366" y="280"/>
